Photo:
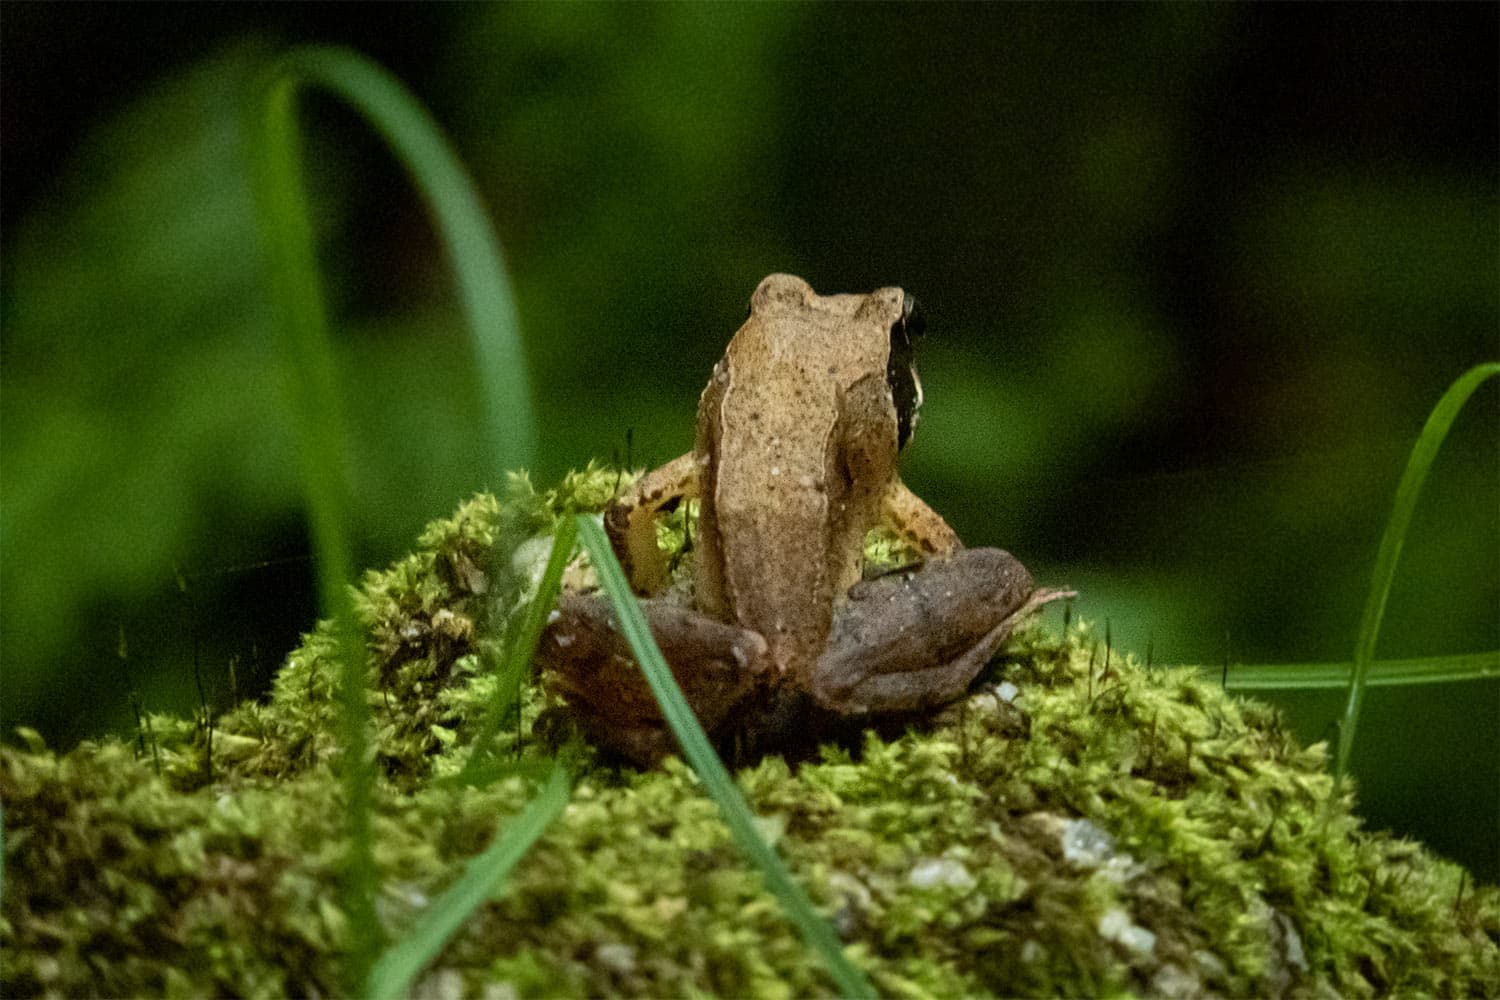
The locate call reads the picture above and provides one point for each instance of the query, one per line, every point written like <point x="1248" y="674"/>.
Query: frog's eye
<point x="901" y="369"/>
<point x="912" y="317"/>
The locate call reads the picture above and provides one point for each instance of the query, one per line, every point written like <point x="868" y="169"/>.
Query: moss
<point x="1070" y="829"/>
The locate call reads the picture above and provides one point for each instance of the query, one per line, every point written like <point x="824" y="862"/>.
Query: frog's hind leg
<point x="585" y="658"/>
<point x="908" y="642"/>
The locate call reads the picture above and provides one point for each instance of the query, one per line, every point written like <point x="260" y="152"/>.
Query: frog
<point x="781" y="637"/>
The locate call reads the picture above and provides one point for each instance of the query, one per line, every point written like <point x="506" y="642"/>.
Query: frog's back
<point x="788" y="505"/>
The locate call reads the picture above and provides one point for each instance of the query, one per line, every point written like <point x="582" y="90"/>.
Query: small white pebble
<point x="1085" y="844"/>
<point x="1291" y="940"/>
<point x="440" y="984"/>
<point x="770" y="827"/>
<point x="1209" y="965"/>
<point x="616" y="957"/>
<point x="930" y="872"/>
<point x="854" y="902"/>
<point x="1175" y="982"/>
<point x="1137" y="938"/>
<point x="1116" y="925"/>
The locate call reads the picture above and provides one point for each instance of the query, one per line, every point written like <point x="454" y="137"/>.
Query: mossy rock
<point x="1082" y="825"/>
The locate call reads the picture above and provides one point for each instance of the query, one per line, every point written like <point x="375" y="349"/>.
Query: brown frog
<point x="781" y="642"/>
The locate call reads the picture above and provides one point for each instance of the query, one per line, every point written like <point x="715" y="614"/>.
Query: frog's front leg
<point x="631" y="522"/>
<point x="914" y="640"/>
<point x="923" y="529"/>
<point x="585" y="658"/>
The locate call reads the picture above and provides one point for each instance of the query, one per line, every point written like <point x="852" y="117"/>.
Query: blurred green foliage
<point x="1194" y="276"/>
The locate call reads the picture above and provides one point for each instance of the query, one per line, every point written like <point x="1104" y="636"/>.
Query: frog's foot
<point x="586" y="659"/>
<point x="907" y="642"/>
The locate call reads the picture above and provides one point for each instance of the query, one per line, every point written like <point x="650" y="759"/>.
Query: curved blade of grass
<point x="312" y="385"/>
<point x="1422" y="455"/>
<point x="699" y="753"/>
<point x="318" y="423"/>
<point x="462" y="224"/>
<point x="522" y="647"/>
<point x="392" y="975"/>
<point x="1383" y="673"/>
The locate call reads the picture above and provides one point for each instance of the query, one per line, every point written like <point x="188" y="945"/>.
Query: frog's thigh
<point x="586" y="659"/>
<point x="910" y="641"/>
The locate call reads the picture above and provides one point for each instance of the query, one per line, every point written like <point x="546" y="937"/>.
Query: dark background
<point x="1194" y="277"/>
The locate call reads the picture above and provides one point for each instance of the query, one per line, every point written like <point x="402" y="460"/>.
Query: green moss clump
<point x="1067" y="830"/>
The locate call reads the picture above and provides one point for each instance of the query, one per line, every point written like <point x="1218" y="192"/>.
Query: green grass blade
<point x="392" y="975"/>
<point x="716" y="780"/>
<point x="312" y="384"/>
<point x="1410" y="488"/>
<point x="462" y="224"/>
<point x="318" y="424"/>
<point x="1382" y="673"/>
<point x="523" y="646"/>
